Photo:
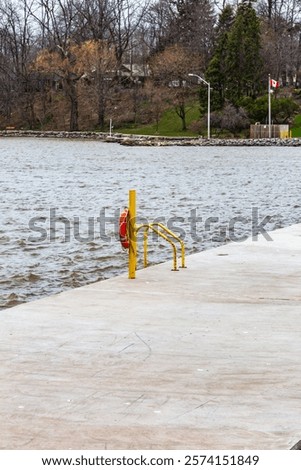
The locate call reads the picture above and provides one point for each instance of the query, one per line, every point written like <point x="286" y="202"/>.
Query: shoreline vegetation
<point x="149" y="141"/>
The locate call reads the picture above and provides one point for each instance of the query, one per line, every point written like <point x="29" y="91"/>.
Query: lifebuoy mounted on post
<point x="123" y="232"/>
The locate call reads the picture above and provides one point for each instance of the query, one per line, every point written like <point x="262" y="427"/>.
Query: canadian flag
<point x="274" y="83"/>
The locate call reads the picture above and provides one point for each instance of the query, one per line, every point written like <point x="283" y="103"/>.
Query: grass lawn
<point x="169" y="125"/>
<point x="296" y="129"/>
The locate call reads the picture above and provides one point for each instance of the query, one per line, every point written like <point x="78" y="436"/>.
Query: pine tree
<point x="216" y="71"/>
<point x="242" y="61"/>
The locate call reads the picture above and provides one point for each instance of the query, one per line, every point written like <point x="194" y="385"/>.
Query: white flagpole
<point x="270" y="112"/>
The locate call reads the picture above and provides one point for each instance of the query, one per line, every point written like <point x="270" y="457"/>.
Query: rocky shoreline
<point x="142" y="140"/>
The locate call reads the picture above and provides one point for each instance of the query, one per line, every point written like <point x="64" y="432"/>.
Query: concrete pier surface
<point x="204" y="358"/>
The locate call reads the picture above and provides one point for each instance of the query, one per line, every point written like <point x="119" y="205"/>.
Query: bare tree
<point x="98" y="62"/>
<point x="158" y="20"/>
<point x="158" y="100"/>
<point x="193" y="26"/>
<point x="170" y="69"/>
<point x="93" y="19"/>
<point x="57" y="20"/>
<point x="126" y="18"/>
<point x="16" y="52"/>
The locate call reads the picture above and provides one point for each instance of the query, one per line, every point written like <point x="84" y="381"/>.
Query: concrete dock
<point x="204" y="358"/>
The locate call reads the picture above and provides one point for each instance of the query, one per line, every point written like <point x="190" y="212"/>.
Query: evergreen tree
<point x="216" y="71"/>
<point x="242" y="61"/>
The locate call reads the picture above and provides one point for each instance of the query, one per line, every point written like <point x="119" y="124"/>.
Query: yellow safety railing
<point x="156" y="227"/>
<point x="147" y="227"/>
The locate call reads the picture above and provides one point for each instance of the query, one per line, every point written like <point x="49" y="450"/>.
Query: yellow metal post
<point x="162" y="231"/>
<point x="132" y="234"/>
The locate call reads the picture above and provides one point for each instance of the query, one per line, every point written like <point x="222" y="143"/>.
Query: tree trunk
<point x="101" y="115"/>
<point x="72" y="93"/>
<point x="74" y="115"/>
<point x="184" y="126"/>
<point x="180" y="110"/>
<point x="101" y="104"/>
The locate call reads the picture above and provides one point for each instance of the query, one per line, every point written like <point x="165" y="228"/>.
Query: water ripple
<point x="61" y="200"/>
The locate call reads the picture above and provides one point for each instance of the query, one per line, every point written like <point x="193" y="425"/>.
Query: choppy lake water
<point x="61" y="200"/>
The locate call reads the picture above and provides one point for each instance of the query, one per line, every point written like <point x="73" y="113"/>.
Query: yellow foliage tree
<point x="93" y="59"/>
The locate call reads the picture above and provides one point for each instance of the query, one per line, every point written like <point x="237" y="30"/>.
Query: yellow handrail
<point x="167" y="230"/>
<point x="145" y="235"/>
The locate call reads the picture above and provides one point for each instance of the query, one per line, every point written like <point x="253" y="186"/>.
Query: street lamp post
<point x="208" y="85"/>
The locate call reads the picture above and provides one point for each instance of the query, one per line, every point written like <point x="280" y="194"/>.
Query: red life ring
<point x="123" y="235"/>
